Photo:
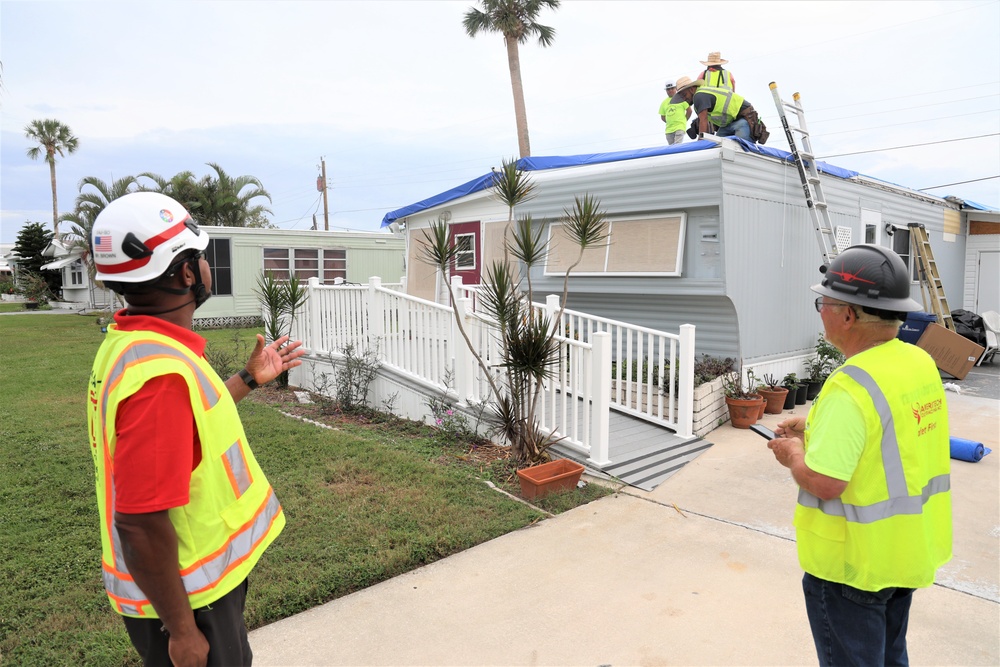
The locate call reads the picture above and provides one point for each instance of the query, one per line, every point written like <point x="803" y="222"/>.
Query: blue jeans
<point x="739" y="128"/>
<point x="855" y="627"/>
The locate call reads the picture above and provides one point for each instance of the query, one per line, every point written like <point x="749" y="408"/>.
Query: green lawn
<point x="363" y="504"/>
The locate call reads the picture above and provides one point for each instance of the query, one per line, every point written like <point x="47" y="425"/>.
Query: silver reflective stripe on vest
<point x="138" y="352"/>
<point x="210" y="571"/>
<point x="238" y="467"/>
<point x="899" y="502"/>
<point x="881" y="510"/>
<point x="724" y="119"/>
<point x="895" y="479"/>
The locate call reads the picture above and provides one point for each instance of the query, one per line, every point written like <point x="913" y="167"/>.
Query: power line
<point x="948" y="185"/>
<point x="894" y="148"/>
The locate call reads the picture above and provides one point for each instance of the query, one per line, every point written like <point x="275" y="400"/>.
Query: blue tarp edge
<point x="559" y="162"/>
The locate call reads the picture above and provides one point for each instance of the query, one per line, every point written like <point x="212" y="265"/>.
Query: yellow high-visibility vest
<point x="727" y="105"/>
<point x="232" y="514"/>
<point x="891" y="527"/>
<point x="718" y="79"/>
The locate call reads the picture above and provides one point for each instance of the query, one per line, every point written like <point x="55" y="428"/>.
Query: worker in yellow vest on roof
<point x="722" y="111"/>
<point x="873" y="520"/>
<point x="186" y="511"/>
<point x="714" y="75"/>
<point x="674" y="114"/>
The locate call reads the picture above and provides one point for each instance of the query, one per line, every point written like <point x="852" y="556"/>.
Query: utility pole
<point x="326" y="206"/>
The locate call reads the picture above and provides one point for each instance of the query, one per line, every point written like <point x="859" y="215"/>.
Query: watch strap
<point x="248" y="379"/>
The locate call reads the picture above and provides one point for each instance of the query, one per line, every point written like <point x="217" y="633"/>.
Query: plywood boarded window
<point x="639" y="246"/>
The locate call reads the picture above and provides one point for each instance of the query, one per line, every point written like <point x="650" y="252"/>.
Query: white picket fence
<point x="600" y="361"/>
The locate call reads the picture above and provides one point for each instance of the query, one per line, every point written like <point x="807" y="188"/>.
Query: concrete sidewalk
<point x="700" y="571"/>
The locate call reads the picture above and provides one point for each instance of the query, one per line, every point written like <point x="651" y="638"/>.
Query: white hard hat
<point x="136" y="238"/>
<point x="670" y="84"/>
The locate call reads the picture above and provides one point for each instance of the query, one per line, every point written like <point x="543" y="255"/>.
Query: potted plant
<point x="828" y="358"/>
<point x="791" y="382"/>
<point x="774" y="394"/>
<point x="744" y="405"/>
<point x="541" y="480"/>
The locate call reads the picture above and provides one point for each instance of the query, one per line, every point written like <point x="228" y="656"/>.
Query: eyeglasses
<point x="820" y="303"/>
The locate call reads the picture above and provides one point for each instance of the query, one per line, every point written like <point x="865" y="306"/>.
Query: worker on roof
<point x="721" y="107"/>
<point x="674" y="114"/>
<point x="714" y="75"/>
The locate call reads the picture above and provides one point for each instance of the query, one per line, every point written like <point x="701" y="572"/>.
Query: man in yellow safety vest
<point x="873" y="520"/>
<point x="186" y="511"/>
<point x="714" y="75"/>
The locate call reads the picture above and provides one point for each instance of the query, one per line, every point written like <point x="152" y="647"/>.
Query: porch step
<point x="643" y="454"/>
<point x="648" y="470"/>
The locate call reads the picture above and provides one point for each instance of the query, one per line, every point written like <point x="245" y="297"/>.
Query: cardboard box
<point x="954" y="354"/>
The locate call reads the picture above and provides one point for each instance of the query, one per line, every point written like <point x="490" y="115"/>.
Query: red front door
<point x="465" y="236"/>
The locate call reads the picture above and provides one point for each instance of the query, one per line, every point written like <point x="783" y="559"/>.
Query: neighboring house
<point x="78" y="290"/>
<point x="239" y="256"/>
<point x="982" y="263"/>
<point x="715" y="234"/>
<point x="5" y="267"/>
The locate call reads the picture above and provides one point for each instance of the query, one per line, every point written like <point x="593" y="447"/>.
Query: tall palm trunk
<point x="520" y="115"/>
<point x="55" y="205"/>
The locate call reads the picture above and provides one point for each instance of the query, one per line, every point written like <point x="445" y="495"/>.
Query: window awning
<point x="59" y="263"/>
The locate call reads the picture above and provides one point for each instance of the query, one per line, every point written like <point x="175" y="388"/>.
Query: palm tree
<point x="219" y="200"/>
<point x="88" y="206"/>
<point x="52" y="137"/>
<point x="515" y="20"/>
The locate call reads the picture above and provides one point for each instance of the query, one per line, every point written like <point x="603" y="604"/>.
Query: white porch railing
<point x="421" y="339"/>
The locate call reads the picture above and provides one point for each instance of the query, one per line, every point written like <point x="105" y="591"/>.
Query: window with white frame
<point x="76" y="274"/>
<point x="465" y="252"/>
<point x="305" y="263"/>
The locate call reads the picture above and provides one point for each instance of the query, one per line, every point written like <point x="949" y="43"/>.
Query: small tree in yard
<point x="528" y="339"/>
<point x="281" y="300"/>
<point x="31" y="241"/>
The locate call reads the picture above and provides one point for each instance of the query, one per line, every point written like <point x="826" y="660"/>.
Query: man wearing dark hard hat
<point x="186" y="511"/>
<point x="873" y="520"/>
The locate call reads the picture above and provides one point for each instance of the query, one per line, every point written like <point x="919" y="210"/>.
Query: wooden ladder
<point x="931" y="288"/>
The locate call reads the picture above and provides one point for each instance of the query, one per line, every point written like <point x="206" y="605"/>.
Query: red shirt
<point x="158" y="445"/>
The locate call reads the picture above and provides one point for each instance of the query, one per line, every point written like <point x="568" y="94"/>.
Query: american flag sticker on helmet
<point x="102" y="244"/>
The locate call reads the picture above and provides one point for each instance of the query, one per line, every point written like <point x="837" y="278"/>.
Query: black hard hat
<point x="870" y="276"/>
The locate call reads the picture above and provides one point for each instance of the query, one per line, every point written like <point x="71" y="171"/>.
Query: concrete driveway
<point x="700" y="571"/>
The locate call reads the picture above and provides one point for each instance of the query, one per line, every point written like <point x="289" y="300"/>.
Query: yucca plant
<point x="281" y="300"/>
<point x="528" y="341"/>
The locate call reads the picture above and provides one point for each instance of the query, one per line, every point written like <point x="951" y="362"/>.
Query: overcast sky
<point x="403" y="105"/>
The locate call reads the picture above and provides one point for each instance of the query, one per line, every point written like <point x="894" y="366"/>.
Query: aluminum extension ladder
<point x="931" y="288"/>
<point x="805" y="160"/>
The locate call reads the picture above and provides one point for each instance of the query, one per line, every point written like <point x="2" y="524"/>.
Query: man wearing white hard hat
<point x="186" y="511"/>
<point x="675" y="115"/>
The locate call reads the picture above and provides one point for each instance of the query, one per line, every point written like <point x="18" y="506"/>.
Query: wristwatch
<point x="248" y="379"/>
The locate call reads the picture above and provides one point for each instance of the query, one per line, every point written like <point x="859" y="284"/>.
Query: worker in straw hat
<point x="714" y="75"/>
<point x="721" y="111"/>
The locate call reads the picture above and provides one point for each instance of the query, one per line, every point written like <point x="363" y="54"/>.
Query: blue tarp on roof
<point x="558" y="162"/>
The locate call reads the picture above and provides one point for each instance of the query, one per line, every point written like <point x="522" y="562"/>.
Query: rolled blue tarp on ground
<point x="968" y="450"/>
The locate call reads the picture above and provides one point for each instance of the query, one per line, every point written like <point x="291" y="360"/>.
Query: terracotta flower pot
<point x="775" y="399"/>
<point x="541" y="480"/>
<point x="743" y="412"/>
